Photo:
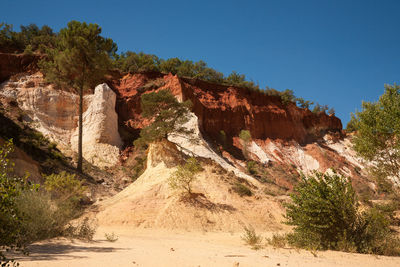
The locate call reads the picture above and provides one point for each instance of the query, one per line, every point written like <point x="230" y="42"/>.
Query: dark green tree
<point x="137" y="62"/>
<point x="170" y="65"/>
<point x="167" y="115"/>
<point x="79" y="60"/>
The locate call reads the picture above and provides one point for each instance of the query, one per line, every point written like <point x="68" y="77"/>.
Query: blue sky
<point x="333" y="52"/>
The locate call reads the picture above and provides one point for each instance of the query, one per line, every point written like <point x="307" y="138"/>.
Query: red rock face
<point x="230" y="109"/>
<point x="11" y="64"/>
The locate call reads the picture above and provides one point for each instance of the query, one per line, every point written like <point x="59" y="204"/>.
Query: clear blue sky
<point x="334" y="52"/>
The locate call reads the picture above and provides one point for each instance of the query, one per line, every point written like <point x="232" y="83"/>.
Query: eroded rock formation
<point x="226" y="108"/>
<point x="55" y="114"/>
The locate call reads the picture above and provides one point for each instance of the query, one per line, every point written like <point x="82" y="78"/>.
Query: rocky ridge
<point x="283" y="135"/>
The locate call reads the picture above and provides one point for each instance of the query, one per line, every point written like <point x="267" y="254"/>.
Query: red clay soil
<point x="11" y="64"/>
<point x="227" y="108"/>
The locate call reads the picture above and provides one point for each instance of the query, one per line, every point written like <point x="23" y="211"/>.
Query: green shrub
<point x="252" y="167"/>
<point x="11" y="188"/>
<point x="111" y="237"/>
<point x="274" y="190"/>
<point x="41" y="216"/>
<point x="251" y="238"/>
<point x="84" y="230"/>
<point x="277" y="241"/>
<point x="183" y="178"/>
<point x="324" y="211"/>
<point x="65" y="187"/>
<point x="242" y="190"/>
<point x="245" y="136"/>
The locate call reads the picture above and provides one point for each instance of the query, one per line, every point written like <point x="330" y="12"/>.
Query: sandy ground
<point x="169" y="248"/>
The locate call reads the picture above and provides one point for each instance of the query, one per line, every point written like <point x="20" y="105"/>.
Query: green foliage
<point x="80" y="58"/>
<point x="139" y="167"/>
<point x="245" y="136"/>
<point x="41" y="216"/>
<point x="64" y="187"/>
<point x="320" y="108"/>
<point x="183" y="178"/>
<point x="239" y="80"/>
<point x="137" y="62"/>
<point x="166" y="113"/>
<point x="188" y="68"/>
<point x="242" y="190"/>
<point x="84" y="230"/>
<point x="8" y="41"/>
<point x="252" y="167"/>
<point x="304" y="103"/>
<point x="287" y="97"/>
<point x="111" y="237"/>
<point x="251" y="238"/>
<point x="378" y="132"/>
<point x="324" y="210"/>
<point x="11" y="188"/>
<point x="277" y="240"/>
<point x="352" y="124"/>
<point x="152" y="84"/>
<point x="223" y="139"/>
<point x="28" y="50"/>
<point x="31" y="38"/>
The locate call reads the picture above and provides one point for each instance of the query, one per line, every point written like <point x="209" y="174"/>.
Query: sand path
<point x="170" y="248"/>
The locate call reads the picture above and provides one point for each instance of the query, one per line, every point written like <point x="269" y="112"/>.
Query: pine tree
<point x="167" y="115"/>
<point x="79" y="60"/>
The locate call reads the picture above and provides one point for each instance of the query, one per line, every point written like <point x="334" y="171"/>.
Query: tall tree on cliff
<point x="79" y="60"/>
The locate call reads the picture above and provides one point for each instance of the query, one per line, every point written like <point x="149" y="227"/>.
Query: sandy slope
<point x="149" y="202"/>
<point x="162" y="248"/>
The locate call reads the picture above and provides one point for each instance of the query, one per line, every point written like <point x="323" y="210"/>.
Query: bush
<point x="242" y="190"/>
<point x="84" y="230"/>
<point x="324" y="211"/>
<point x="65" y="187"/>
<point x="251" y="238"/>
<point x="184" y="176"/>
<point x="11" y="188"/>
<point x="277" y="241"/>
<point x="252" y="167"/>
<point x="41" y="216"/>
<point x="111" y="237"/>
<point x="245" y="136"/>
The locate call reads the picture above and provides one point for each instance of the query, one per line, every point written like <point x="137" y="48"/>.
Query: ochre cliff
<point x="11" y="64"/>
<point x="226" y="108"/>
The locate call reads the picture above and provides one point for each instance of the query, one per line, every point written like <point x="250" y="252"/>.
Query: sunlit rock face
<point x="55" y="114"/>
<point x="101" y="140"/>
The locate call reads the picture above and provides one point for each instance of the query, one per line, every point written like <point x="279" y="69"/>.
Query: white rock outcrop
<point x="101" y="140"/>
<point x="55" y="114"/>
<point x="194" y="145"/>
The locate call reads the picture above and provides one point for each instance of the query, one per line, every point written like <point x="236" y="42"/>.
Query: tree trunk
<point x="80" y="126"/>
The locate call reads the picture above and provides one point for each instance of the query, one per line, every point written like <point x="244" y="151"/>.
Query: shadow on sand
<point x="54" y="250"/>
